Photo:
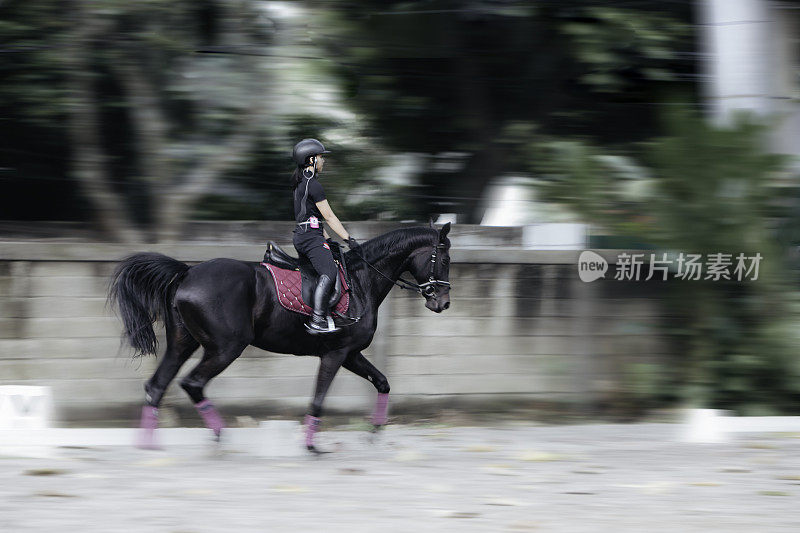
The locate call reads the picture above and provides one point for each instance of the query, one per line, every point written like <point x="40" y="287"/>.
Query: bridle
<point x="429" y="287"/>
<point x="426" y="289"/>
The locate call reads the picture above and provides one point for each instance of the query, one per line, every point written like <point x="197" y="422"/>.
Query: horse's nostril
<point x="446" y="305"/>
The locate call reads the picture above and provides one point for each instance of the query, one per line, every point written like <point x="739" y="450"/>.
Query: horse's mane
<point x="382" y="245"/>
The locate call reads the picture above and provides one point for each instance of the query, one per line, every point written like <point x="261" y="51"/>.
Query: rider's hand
<point x="353" y="244"/>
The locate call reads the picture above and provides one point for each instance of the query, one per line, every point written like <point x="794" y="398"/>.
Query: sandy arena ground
<point x="513" y="477"/>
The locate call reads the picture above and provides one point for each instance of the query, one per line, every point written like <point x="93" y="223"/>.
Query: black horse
<point x="226" y="305"/>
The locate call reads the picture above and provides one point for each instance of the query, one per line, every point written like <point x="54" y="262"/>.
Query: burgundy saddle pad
<point x="289" y="287"/>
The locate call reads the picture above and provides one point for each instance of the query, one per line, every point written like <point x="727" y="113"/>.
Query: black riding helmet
<point x="305" y="149"/>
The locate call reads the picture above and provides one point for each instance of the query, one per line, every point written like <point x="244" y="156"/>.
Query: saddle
<point x="296" y="279"/>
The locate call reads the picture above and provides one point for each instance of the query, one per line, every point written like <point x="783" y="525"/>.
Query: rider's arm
<point x="331" y="219"/>
<point x="325" y="234"/>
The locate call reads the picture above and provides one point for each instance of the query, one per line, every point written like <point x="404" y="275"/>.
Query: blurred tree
<point x="151" y="124"/>
<point x="258" y="187"/>
<point x="111" y="111"/>
<point x="443" y="76"/>
<point x="699" y="189"/>
<point x="33" y="96"/>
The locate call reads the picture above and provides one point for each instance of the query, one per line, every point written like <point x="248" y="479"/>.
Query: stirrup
<point x="343" y="321"/>
<point x="313" y="328"/>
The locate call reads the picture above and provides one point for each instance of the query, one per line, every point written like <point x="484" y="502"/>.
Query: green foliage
<point x="31" y="71"/>
<point x="619" y="44"/>
<point x="187" y="105"/>
<point x="698" y="189"/>
<point x="219" y="207"/>
<point x="644" y="386"/>
<point x="260" y="186"/>
<point x="664" y="190"/>
<point x="432" y="78"/>
<point x="422" y="76"/>
<point x="717" y="180"/>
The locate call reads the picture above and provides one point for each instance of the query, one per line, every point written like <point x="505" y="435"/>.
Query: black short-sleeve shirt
<point x="309" y="191"/>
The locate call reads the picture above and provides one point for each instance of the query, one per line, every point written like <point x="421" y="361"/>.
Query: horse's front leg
<point x="328" y="366"/>
<point x="360" y="366"/>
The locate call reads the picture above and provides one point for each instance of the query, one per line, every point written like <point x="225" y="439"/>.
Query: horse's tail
<point x="140" y="289"/>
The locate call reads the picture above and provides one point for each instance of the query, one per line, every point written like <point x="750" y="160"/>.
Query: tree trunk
<point x="177" y="201"/>
<point x="475" y="104"/>
<point x="178" y="196"/>
<point x="88" y="160"/>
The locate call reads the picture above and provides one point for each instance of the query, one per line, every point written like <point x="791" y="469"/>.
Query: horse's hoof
<point x="147" y="441"/>
<point x="374" y="434"/>
<point x="316" y="451"/>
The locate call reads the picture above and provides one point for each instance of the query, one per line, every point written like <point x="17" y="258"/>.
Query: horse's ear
<point x="444" y="231"/>
<point x="430" y="219"/>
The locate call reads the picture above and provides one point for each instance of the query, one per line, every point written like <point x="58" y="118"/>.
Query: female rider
<point x="310" y="206"/>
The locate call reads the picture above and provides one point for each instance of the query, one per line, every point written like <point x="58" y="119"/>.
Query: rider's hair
<point x="297" y="176"/>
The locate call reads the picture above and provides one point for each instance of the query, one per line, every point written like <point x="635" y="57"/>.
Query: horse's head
<point x="431" y="268"/>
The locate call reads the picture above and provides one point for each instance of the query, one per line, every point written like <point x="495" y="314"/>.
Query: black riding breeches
<point x="312" y="245"/>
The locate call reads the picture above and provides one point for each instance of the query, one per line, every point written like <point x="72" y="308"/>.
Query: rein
<point x="425" y="289"/>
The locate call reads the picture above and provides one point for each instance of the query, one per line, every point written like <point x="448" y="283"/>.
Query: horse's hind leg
<point x="177" y="353"/>
<point x="360" y="366"/>
<point x="214" y="361"/>
<point x="180" y="347"/>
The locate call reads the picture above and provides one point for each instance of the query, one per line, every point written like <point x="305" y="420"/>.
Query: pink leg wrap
<point x="211" y="416"/>
<point x="381" y="406"/>
<point x="148" y="426"/>
<point x="312" y="426"/>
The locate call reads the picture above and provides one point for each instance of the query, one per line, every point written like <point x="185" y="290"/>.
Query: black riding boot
<point x="320" y="321"/>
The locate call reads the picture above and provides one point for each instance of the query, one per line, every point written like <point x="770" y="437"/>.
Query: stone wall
<point x="521" y="327"/>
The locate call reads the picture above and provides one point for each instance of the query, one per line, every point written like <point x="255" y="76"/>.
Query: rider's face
<point x="319" y="161"/>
